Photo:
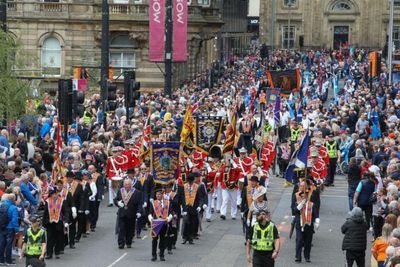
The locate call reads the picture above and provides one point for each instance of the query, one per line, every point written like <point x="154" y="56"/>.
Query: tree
<point x="13" y="91"/>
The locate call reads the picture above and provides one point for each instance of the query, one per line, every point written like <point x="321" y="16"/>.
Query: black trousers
<point x="175" y="235"/>
<point x="355" y="256"/>
<point x="54" y="243"/>
<point x="81" y="225"/>
<point x="331" y="170"/>
<point x="161" y="240"/>
<point x="126" y="229"/>
<point x="72" y="232"/>
<point x="263" y="259"/>
<point x="367" y="209"/>
<point x="172" y="237"/>
<point x="190" y="224"/>
<point x="378" y="224"/>
<point x="304" y="239"/>
<point x="94" y="213"/>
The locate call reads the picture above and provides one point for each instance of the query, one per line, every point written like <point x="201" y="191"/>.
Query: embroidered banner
<point x="287" y="80"/>
<point x="165" y="161"/>
<point x="208" y="132"/>
<point x="157" y="30"/>
<point x="180" y="14"/>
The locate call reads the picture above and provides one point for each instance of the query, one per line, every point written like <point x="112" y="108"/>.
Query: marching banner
<point x="156" y="226"/>
<point x="180" y="15"/>
<point x="164" y="161"/>
<point x="208" y="132"/>
<point x="157" y="30"/>
<point x="287" y="80"/>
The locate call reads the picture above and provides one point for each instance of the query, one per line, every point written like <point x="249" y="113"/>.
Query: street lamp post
<point x="290" y="3"/>
<point x="390" y="46"/>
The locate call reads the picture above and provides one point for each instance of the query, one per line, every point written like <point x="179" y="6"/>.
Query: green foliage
<point x="13" y="91"/>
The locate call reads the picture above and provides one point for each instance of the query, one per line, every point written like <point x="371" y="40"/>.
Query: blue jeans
<point x="6" y="241"/>
<point x="351" y="190"/>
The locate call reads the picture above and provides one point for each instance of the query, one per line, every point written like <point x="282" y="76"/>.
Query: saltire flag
<point x="165" y="161"/>
<point x="208" y="132"/>
<point x="277" y="111"/>
<point x="230" y="134"/>
<point x="145" y="146"/>
<point x="300" y="114"/>
<point x="156" y="226"/>
<point x="287" y="80"/>
<point x="298" y="159"/>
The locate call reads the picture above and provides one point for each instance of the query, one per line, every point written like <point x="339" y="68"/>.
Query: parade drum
<point x="116" y="178"/>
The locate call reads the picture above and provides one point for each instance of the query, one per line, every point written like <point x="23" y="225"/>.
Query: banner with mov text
<point x="179" y="43"/>
<point x="157" y="30"/>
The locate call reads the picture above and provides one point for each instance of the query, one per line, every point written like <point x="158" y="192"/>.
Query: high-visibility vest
<point x="263" y="239"/>
<point x="332" y="150"/>
<point x="86" y="118"/>
<point x="34" y="244"/>
<point x="294" y="134"/>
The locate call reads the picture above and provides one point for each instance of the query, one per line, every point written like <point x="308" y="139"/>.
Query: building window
<point x="51" y="56"/>
<point x="396" y="36"/>
<point x="288" y="37"/>
<point x="289" y="3"/>
<point x="122" y="55"/>
<point x="204" y="2"/>
<point x="341" y="6"/>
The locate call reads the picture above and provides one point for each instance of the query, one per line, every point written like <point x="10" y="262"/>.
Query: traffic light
<point x="112" y="96"/>
<point x="65" y="101"/>
<point x="135" y="90"/>
<point x="80" y="100"/>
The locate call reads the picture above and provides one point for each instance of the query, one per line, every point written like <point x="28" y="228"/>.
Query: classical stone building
<point x="57" y="35"/>
<point x="326" y="23"/>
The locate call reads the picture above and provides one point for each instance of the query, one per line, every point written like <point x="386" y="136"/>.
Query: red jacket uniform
<point x="268" y="154"/>
<point x="319" y="170"/>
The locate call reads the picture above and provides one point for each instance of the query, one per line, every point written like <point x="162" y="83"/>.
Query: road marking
<point x="117" y="260"/>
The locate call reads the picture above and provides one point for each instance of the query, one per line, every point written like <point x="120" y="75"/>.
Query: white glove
<point x="198" y="209"/>
<point x="316" y="224"/>
<point x="301" y="204"/>
<point x="86" y="212"/>
<point x="233" y="163"/>
<point x="241" y="215"/>
<point x="102" y="197"/>
<point x="260" y="172"/>
<point x="151" y="200"/>
<point x="150" y="217"/>
<point x="92" y="198"/>
<point x="121" y="204"/>
<point x="66" y="225"/>
<point x="138" y="215"/>
<point x="74" y="214"/>
<point x="248" y="222"/>
<point x="144" y="204"/>
<point x="184" y="213"/>
<point x="204" y="207"/>
<point x="169" y="217"/>
<point x="208" y="167"/>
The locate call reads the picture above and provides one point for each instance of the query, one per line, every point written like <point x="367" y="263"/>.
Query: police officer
<point x="334" y="157"/>
<point x="263" y="238"/>
<point x="34" y="247"/>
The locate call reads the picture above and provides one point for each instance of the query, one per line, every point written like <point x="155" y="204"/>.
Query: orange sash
<point x="73" y="187"/>
<point x="161" y="211"/>
<point x="249" y="195"/>
<point x="55" y="208"/>
<point x="190" y="195"/>
<point x="126" y="196"/>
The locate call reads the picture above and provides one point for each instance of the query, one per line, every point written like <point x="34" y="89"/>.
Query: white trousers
<point x="112" y="193"/>
<point x="219" y="198"/>
<point x="239" y="198"/>
<point x="226" y="196"/>
<point x="210" y="206"/>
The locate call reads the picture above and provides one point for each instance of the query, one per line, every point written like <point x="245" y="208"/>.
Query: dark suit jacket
<point x="64" y="216"/>
<point x="134" y="205"/>
<point x="79" y="198"/>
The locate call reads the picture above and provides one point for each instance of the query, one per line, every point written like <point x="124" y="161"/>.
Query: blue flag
<point x="277" y="111"/>
<point x="300" y="114"/>
<point x="298" y="159"/>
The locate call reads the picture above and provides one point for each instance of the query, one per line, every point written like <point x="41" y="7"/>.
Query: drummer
<point x="116" y="164"/>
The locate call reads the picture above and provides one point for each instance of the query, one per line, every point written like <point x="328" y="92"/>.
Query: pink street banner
<point x="180" y="15"/>
<point x="157" y="30"/>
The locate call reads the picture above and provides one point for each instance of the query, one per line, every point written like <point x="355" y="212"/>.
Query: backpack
<point x="4" y="220"/>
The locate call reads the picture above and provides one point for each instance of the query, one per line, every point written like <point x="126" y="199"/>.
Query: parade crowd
<point x="60" y="187"/>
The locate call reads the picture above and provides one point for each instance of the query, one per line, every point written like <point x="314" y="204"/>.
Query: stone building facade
<point x="57" y="35"/>
<point x="326" y="23"/>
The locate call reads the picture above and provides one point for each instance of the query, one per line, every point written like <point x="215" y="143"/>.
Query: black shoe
<point x="93" y="230"/>
<point x="184" y="242"/>
<point x="297" y="260"/>
<point x="121" y="247"/>
<point x="110" y="205"/>
<point x="144" y="228"/>
<point x="154" y="258"/>
<point x="128" y="246"/>
<point x="162" y="258"/>
<point x="208" y="220"/>
<point x="84" y="236"/>
<point x="170" y="252"/>
<point x="76" y="240"/>
<point x="173" y="247"/>
<point x="191" y="242"/>
<point x="212" y="210"/>
<point x="196" y="237"/>
<point x="223" y="217"/>
<point x="71" y="246"/>
<point x="332" y="185"/>
<point x="233" y="218"/>
<point x="308" y="260"/>
<point x="62" y="252"/>
<point x="57" y="256"/>
<point x="49" y="257"/>
<point x="138" y="237"/>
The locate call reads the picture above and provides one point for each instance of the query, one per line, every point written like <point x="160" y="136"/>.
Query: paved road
<point x="222" y="243"/>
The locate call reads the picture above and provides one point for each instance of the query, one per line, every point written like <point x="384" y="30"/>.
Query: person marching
<point x="259" y="203"/>
<point x="115" y="165"/>
<point x="229" y="187"/>
<point x="55" y="218"/>
<point x="263" y="238"/>
<point x="306" y="210"/>
<point x="75" y="189"/>
<point x="247" y="198"/>
<point x="160" y="217"/>
<point x="83" y="209"/>
<point x="334" y="158"/>
<point x="194" y="199"/>
<point x="34" y="247"/>
<point x="129" y="202"/>
<point x="94" y="206"/>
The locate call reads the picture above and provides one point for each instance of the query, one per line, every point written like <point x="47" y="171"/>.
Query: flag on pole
<point x="57" y="165"/>
<point x="230" y="134"/>
<point x="188" y="122"/>
<point x="145" y="146"/>
<point x="300" y="114"/>
<point x="298" y="159"/>
<point x="277" y="111"/>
